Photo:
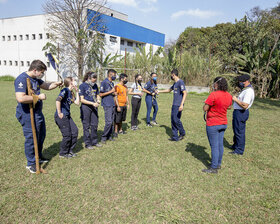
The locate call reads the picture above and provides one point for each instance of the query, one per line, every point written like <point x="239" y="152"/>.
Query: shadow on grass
<point x="226" y="144"/>
<point x="168" y="130"/>
<point x="199" y="153"/>
<point x="268" y="102"/>
<point x="54" y="149"/>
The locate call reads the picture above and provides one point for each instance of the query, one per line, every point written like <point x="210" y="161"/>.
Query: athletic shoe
<point x="72" y="154"/>
<point x="210" y="170"/>
<point x="181" y="137"/>
<point x="154" y="123"/>
<point x="149" y="125"/>
<point x="43" y="160"/>
<point x="65" y="156"/>
<point x="172" y="140"/>
<point x="111" y="139"/>
<point x="115" y="135"/>
<point x="234" y="153"/>
<point x="89" y="147"/>
<point x="133" y="128"/>
<point x="122" y="132"/>
<point x="98" y="145"/>
<point x="32" y="168"/>
<point x="103" y="142"/>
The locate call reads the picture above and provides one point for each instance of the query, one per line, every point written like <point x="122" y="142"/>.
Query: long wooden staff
<point x="30" y="93"/>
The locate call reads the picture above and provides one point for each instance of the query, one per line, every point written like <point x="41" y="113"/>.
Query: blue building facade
<point x="113" y="26"/>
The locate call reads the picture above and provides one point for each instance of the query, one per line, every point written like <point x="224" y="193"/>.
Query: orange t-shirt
<point x="121" y="94"/>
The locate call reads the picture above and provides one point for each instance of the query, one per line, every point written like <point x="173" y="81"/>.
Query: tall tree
<point x="68" y="24"/>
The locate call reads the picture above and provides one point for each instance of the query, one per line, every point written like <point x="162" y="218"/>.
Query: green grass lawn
<point x="142" y="177"/>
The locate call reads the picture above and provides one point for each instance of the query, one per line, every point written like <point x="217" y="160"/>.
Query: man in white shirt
<point x="241" y="106"/>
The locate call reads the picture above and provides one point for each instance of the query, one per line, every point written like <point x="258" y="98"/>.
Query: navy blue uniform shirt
<point x="66" y="101"/>
<point x="89" y="91"/>
<point x="178" y="88"/>
<point x="106" y="86"/>
<point x="21" y="86"/>
<point x="151" y="87"/>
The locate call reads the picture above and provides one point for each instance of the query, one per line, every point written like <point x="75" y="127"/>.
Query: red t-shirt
<point x="219" y="101"/>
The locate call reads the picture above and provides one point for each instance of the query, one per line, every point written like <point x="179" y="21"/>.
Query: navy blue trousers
<point x="24" y="120"/>
<point x="89" y="117"/>
<point x="176" y="123"/>
<point x="215" y="136"/>
<point x="109" y="122"/>
<point x="150" y="102"/>
<point x="239" y="125"/>
<point x="69" y="133"/>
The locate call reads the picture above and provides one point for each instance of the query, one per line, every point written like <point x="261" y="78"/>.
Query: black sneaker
<point x="115" y="135"/>
<point x="98" y="145"/>
<point x="66" y="156"/>
<point x="172" y="140"/>
<point x="181" y="137"/>
<point x="111" y="139"/>
<point x="149" y="125"/>
<point x="43" y="160"/>
<point x="72" y="154"/>
<point x="210" y="170"/>
<point x="32" y="168"/>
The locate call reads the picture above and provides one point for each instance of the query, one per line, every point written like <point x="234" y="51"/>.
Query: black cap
<point x="243" y="78"/>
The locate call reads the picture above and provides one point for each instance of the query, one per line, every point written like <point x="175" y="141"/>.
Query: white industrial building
<point x="22" y="40"/>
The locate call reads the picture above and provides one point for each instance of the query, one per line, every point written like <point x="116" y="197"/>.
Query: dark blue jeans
<point x="176" y="123"/>
<point x="89" y="117"/>
<point x="239" y="119"/>
<point x="109" y="121"/>
<point x="24" y="120"/>
<point x="150" y="102"/>
<point x="215" y="136"/>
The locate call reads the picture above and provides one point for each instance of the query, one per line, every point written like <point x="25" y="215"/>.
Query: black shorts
<point x="120" y="116"/>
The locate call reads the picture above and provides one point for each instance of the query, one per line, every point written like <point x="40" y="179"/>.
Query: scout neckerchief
<point x="92" y="92"/>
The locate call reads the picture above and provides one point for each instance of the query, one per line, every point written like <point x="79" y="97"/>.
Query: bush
<point x="7" y="78"/>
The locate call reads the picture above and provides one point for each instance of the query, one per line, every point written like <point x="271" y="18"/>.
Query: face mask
<point x="125" y="81"/>
<point x="114" y="77"/>
<point x="172" y="78"/>
<point x="140" y="80"/>
<point x="241" y="85"/>
<point x="155" y="79"/>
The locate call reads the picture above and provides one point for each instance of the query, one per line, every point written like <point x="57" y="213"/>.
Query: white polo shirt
<point x="246" y="96"/>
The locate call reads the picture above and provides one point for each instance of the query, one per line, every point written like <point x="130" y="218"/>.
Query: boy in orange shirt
<point x="122" y="104"/>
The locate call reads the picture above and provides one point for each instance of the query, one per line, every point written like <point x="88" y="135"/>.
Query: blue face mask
<point x="155" y="79"/>
<point x="113" y="77"/>
<point x="241" y="85"/>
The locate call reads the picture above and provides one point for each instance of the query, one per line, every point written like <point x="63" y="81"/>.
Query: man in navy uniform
<point x="35" y="73"/>
<point x="107" y="94"/>
<point x="241" y="106"/>
<point x="179" y="98"/>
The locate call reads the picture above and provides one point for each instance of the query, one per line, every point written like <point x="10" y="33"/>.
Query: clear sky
<point x="170" y="17"/>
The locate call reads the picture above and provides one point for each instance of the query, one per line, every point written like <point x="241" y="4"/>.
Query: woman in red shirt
<point x="216" y="106"/>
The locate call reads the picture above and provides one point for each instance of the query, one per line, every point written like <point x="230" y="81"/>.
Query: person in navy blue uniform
<point x="35" y="73"/>
<point x="64" y="120"/>
<point x="151" y="91"/>
<point x="107" y="94"/>
<point x="179" y="97"/>
<point x="90" y="99"/>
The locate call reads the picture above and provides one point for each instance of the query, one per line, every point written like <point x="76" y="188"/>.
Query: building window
<point x="15" y="37"/>
<point x="33" y="36"/>
<point x="122" y="42"/>
<point x="20" y="37"/>
<point x="26" y="37"/>
<point x="16" y="63"/>
<point x="5" y="62"/>
<point x="113" y="39"/>
<point x="48" y="35"/>
<point x="9" y="38"/>
<point x="21" y="63"/>
<point x="10" y="63"/>
<point x="112" y="14"/>
<point x="139" y="45"/>
<point x="40" y="36"/>
<point x="48" y="64"/>
<point x="3" y="38"/>
<point x="0" y="62"/>
<point x="129" y="43"/>
<point x="28" y="63"/>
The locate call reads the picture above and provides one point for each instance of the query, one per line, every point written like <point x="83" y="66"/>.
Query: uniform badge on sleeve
<point x="20" y="85"/>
